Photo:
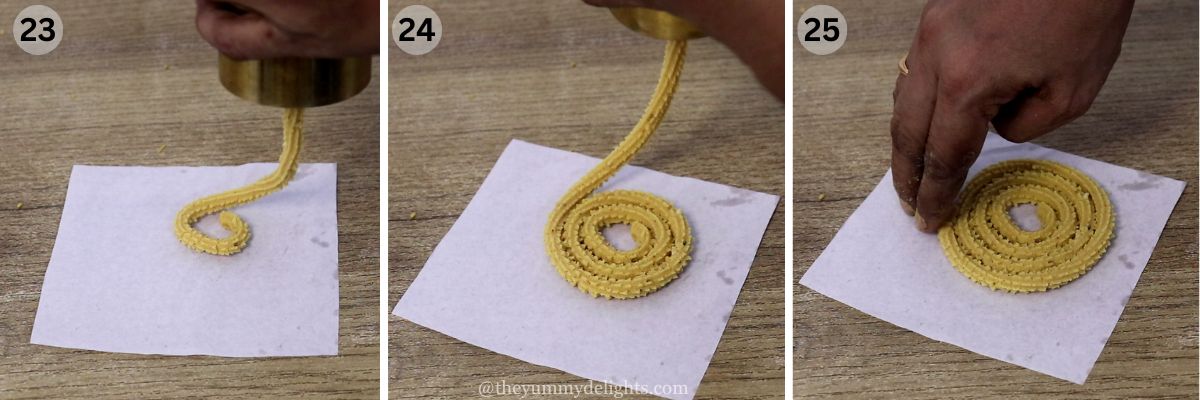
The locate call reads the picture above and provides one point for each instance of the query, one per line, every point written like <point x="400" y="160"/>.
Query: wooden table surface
<point x="569" y="76"/>
<point x="1145" y="118"/>
<point x="128" y="78"/>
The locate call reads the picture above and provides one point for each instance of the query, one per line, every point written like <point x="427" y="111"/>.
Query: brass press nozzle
<point x="656" y="24"/>
<point x="295" y="82"/>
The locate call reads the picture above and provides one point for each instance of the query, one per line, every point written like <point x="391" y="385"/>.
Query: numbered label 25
<point x="822" y="30"/>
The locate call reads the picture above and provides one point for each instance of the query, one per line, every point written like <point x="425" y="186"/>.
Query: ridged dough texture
<point x="574" y="234"/>
<point x="985" y="244"/>
<point x="239" y="231"/>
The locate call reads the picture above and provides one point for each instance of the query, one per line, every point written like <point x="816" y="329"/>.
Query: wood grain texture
<point x="1145" y="118"/>
<point x="568" y="76"/>
<point x="127" y="78"/>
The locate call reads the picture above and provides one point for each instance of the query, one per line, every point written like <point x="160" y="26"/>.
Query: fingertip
<point x="908" y="208"/>
<point x="930" y="219"/>
<point x="905" y="180"/>
<point x="928" y="225"/>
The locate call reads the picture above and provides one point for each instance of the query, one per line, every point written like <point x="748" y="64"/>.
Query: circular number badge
<point x="822" y="30"/>
<point x="37" y="30"/>
<point x="416" y="30"/>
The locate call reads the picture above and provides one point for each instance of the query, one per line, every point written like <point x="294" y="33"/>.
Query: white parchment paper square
<point x="880" y="264"/>
<point x="490" y="283"/>
<point x="120" y="281"/>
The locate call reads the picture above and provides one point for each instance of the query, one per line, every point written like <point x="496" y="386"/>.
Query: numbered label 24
<point x="417" y="30"/>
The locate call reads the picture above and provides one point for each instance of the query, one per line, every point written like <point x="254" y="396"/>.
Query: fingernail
<point x="920" y="222"/>
<point x="908" y="209"/>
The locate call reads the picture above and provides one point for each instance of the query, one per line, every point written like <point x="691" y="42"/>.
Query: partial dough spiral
<point x="986" y="245"/>
<point x="239" y="231"/>
<point x="574" y="237"/>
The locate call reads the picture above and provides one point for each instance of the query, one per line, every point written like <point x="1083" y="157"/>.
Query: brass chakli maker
<point x="313" y="82"/>
<point x="295" y="82"/>
<point x="656" y="24"/>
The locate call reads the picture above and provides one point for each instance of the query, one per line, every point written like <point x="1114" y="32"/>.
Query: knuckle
<point x="1069" y="107"/>
<point x="933" y="21"/>
<point x="1061" y="106"/>
<point x="905" y="144"/>
<point x="903" y="150"/>
<point x="943" y="166"/>
<point x="957" y="81"/>
<point x="1077" y="106"/>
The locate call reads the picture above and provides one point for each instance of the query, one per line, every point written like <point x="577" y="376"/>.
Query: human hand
<point x="1028" y="67"/>
<point x="753" y="30"/>
<point x="260" y="29"/>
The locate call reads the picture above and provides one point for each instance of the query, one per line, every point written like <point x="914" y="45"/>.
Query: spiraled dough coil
<point x="574" y="238"/>
<point x="985" y="244"/>
<point x="239" y="231"/>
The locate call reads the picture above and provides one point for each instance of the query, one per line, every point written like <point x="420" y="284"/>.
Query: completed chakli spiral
<point x="985" y="244"/>
<point x="574" y="238"/>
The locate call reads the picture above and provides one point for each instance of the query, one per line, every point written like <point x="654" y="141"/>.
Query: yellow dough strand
<point x="985" y="244"/>
<point x="239" y="231"/>
<point x="574" y="237"/>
